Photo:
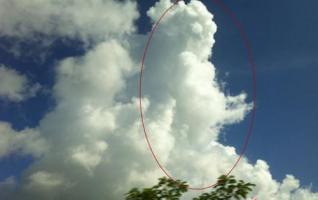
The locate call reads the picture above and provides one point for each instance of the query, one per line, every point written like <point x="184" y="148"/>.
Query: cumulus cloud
<point x="97" y="147"/>
<point x="27" y="141"/>
<point x="14" y="86"/>
<point x="85" y="19"/>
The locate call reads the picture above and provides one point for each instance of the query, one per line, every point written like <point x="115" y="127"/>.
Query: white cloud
<point x="45" y="179"/>
<point x="85" y="19"/>
<point x="89" y="158"/>
<point x="14" y="86"/>
<point x="98" y="150"/>
<point x="27" y="141"/>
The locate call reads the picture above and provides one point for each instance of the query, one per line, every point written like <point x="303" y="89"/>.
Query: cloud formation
<point x="14" y="86"/>
<point x="26" y="142"/>
<point x="97" y="149"/>
<point x="88" y="20"/>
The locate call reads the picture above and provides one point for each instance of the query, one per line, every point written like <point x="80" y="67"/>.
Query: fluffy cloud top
<point x="97" y="146"/>
<point x="14" y="86"/>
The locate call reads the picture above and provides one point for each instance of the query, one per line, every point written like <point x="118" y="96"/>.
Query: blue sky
<point x="283" y="36"/>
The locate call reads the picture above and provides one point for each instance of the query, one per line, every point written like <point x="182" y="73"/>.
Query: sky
<point x="68" y="96"/>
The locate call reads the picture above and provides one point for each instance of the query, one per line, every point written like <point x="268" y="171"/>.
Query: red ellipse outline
<point x="253" y="73"/>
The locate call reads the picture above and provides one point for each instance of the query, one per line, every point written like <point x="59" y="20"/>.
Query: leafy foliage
<point x="165" y="189"/>
<point x="227" y="188"/>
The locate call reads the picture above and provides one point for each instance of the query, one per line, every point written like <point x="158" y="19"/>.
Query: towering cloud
<point x="97" y="149"/>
